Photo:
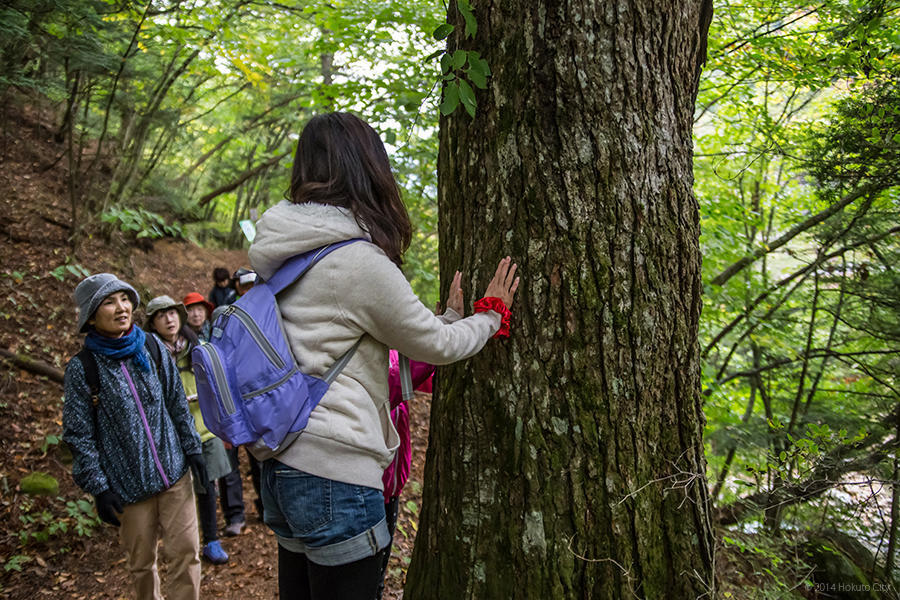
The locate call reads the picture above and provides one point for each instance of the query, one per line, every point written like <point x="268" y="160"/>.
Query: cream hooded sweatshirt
<point x="354" y="292"/>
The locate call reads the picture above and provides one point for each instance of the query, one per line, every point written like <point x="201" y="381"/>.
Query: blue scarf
<point x="129" y="345"/>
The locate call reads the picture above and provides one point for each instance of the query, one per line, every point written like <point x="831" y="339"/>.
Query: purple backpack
<point x="250" y="388"/>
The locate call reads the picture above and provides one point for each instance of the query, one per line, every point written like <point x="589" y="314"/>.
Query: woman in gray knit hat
<point x="132" y="437"/>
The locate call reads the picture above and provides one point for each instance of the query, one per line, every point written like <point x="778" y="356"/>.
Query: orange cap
<point x="195" y="298"/>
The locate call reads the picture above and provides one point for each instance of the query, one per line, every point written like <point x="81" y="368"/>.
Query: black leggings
<point x="391" y="509"/>
<point x="231" y="493"/>
<point x="301" y="579"/>
<point x="206" y="511"/>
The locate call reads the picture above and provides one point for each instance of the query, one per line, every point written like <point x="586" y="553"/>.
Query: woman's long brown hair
<point x="341" y="161"/>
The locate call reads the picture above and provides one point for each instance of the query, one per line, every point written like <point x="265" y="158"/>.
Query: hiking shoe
<point x="235" y="528"/>
<point x="214" y="553"/>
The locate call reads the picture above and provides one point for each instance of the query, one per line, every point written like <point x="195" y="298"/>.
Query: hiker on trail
<point x="223" y="290"/>
<point x="132" y="438"/>
<point x="323" y="493"/>
<point x="231" y="492"/>
<point x="397" y="473"/>
<point x="199" y="310"/>
<point x="165" y="320"/>
<point x="244" y="279"/>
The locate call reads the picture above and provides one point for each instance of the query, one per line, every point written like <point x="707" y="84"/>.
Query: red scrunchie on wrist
<point x="495" y="304"/>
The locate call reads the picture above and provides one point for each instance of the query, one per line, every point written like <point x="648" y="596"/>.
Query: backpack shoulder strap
<point x="406" y="385"/>
<point x="295" y="267"/>
<point x="292" y="270"/>
<point x="91" y="372"/>
<point x="156" y="354"/>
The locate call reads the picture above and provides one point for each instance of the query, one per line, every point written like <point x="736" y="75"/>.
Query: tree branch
<point x="33" y="365"/>
<point x="814" y="220"/>
<point x="784" y="281"/>
<point x="255" y="122"/>
<point x="826" y="475"/>
<point x="241" y="179"/>
<point x="781" y="362"/>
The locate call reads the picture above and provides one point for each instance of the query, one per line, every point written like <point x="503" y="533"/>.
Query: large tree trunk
<point x="567" y="461"/>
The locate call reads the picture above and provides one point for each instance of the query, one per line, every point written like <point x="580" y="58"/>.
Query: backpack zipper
<point x="219" y="377"/>
<point x="256" y="333"/>
<point x="271" y="386"/>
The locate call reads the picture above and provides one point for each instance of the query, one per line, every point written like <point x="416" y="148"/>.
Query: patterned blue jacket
<point x="135" y="439"/>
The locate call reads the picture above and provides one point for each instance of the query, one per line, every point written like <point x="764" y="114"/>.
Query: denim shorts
<point x="331" y="522"/>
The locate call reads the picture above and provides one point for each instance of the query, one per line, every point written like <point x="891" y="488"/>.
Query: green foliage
<point x="767" y="567"/>
<point x="798" y="107"/>
<point x="461" y="69"/>
<point x="141" y="223"/>
<point x="81" y="517"/>
<point x="50" y="440"/>
<point x="796" y="176"/>
<point x="416" y="171"/>
<point x="412" y="507"/>
<point x="39" y="522"/>
<point x="862" y="143"/>
<point x="165" y="107"/>
<point x="76" y="270"/>
<point x="465" y="9"/>
<point x="15" y="562"/>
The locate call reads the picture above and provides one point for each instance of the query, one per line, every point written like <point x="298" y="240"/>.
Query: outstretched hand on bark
<point x="505" y="283"/>
<point x="455" y="296"/>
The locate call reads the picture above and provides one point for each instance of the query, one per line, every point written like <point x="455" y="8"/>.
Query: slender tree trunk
<point x="895" y="513"/>
<point x="68" y="131"/>
<point x="75" y="80"/>
<point x="567" y="461"/>
<point x="733" y="444"/>
<point x="98" y="155"/>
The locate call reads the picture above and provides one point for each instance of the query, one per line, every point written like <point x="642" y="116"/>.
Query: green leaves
<point x="14" y="563"/>
<point x="465" y="10"/>
<point x="458" y="90"/>
<point x="443" y="31"/>
<point x="451" y="98"/>
<point x="458" y="59"/>
<point x="141" y="223"/>
<point x="797" y="108"/>
<point x="461" y="70"/>
<point x="478" y="70"/>
<point x="467" y="97"/>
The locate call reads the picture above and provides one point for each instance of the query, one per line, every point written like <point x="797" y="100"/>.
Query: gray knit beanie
<point x="93" y="289"/>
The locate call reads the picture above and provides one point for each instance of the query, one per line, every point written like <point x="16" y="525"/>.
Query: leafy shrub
<point x="59" y="273"/>
<point x="141" y="223"/>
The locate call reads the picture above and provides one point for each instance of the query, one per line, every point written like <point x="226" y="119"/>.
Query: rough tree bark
<point x="567" y="461"/>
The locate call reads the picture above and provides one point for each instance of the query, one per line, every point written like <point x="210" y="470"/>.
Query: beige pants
<point x="171" y="515"/>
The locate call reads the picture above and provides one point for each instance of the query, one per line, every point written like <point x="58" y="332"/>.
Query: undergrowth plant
<point x="771" y="567"/>
<point x="141" y="223"/>
<point x="43" y="520"/>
